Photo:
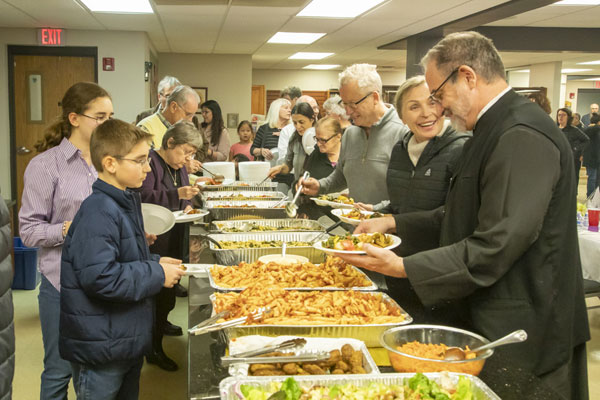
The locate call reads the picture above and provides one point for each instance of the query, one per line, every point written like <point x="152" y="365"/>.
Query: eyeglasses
<point x="98" y="120"/>
<point x="354" y="104"/>
<point x="432" y="96"/>
<point x="140" y="162"/>
<point x="188" y="115"/>
<point x="165" y="95"/>
<point x="323" y="141"/>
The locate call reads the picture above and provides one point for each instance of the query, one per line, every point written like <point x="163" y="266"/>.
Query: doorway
<point x="38" y="77"/>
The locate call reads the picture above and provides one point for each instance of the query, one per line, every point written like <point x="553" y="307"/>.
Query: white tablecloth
<point x="589" y="249"/>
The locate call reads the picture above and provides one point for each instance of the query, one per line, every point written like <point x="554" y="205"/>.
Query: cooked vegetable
<point x="351" y="243"/>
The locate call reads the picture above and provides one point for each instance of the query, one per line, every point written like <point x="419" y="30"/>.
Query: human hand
<point x="364" y="207"/>
<point x="150" y="238"/>
<point x="378" y="260"/>
<point x="310" y="186"/>
<point x="276" y="170"/>
<point x="382" y="225"/>
<point x="266" y="153"/>
<point x="170" y="260"/>
<point x="187" y="209"/>
<point x="193" y="166"/>
<point x="187" y="192"/>
<point x="65" y="228"/>
<point x="173" y="273"/>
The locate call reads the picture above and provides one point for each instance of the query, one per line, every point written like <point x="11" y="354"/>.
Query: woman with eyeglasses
<point x="55" y="184"/>
<point x="168" y="185"/>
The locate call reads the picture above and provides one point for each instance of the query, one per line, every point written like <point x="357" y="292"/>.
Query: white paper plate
<point x="327" y="203"/>
<point x="181" y="218"/>
<point x="198" y="270"/>
<point x="226" y="182"/>
<point x="157" y="219"/>
<point x="395" y="243"/>
<point x="340" y="211"/>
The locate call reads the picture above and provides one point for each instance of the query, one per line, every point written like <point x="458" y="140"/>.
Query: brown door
<point x="258" y="99"/>
<point x="39" y="85"/>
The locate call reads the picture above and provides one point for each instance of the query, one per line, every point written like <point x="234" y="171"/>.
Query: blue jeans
<point x="592" y="174"/>
<point x="57" y="372"/>
<point x="114" y="381"/>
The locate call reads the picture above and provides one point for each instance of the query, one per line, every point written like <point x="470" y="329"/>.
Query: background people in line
<point x="586" y="118"/>
<point x="577" y="139"/>
<point x="541" y="100"/>
<point x="291" y="94"/>
<point x="577" y="121"/>
<point x="246" y="135"/>
<point x="332" y="108"/>
<point x="165" y="87"/>
<point x="49" y="204"/>
<point x="591" y="154"/>
<point x="214" y="131"/>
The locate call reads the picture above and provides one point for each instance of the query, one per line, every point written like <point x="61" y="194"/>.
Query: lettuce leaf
<point x="292" y="389"/>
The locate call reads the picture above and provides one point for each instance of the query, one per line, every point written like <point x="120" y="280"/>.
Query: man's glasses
<point x="98" y="120"/>
<point x="323" y="141"/>
<point x="188" y="115"/>
<point x="433" y="94"/>
<point x="141" y="162"/>
<point x="354" y="104"/>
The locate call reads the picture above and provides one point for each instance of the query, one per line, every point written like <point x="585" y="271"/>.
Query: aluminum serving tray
<point x="239" y="185"/>
<point x="368" y="333"/>
<point x="312" y="345"/>
<point x="211" y="196"/>
<point x="228" y="385"/>
<point x="372" y="287"/>
<point x="287" y="225"/>
<point x="235" y="256"/>
<point x="261" y="210"/>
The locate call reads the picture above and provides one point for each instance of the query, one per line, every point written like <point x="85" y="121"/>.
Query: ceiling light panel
<point x="321" y="66"/>
<point x="577" y="3"/>
<point x="338" y="8"/>
<point x="295" y="37"/>
<point x="303" y="55"/>
<point x="597" y="62"/>
<point x="573" y="70"/>
<point x="119" y="6"/>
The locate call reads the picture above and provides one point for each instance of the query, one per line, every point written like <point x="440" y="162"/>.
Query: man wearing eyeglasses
<point x="508" y="256"/>
<point x="366" y="147"/>
<point x="165" y="87"/>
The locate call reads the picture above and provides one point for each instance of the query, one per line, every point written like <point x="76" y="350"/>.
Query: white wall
<point x="518" y="79"/>
<point x="125" y="84"/>
<point x="228" y="78"/>
<point x="572" y="87"/>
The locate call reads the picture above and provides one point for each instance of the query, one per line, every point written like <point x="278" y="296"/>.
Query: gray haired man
<point x="165" y="87"/>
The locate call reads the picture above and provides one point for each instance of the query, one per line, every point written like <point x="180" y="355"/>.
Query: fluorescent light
<point x="321" y="66"/>
<point x="573" y="70"/>
<point x="597" y="62"/>
<point x="119" y="6"/>
<point x="592" y="79"/>
<point x="295" y="37"/>
<point x="337" y="8"/>
<point x="577" y="3"/>
<point x="520" y="70"/>
<point x="303" y="55"/>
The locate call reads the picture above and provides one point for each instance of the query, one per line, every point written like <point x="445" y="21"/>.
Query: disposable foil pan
<point x="228" y="385"/>
<point x="236" y="209"/>
<point x="368" y="333"/>
<point x="255" y="195"/>
<point x="239" y="185"/>
<point x="284" y="224"/>
<point x="371" y="287"/>
<point x="235" y="256"/>
<point x="312" y="345"/>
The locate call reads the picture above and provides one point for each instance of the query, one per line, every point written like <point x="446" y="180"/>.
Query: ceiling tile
<point x="58" y="13"/>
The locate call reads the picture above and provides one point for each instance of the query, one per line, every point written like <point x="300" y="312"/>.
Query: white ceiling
<point x="244" y="26"/>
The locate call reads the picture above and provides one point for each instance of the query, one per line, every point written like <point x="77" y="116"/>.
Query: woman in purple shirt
<point x="55" y="184"/>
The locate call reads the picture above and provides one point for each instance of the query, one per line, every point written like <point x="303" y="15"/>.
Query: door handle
<point x="23" y="150"/>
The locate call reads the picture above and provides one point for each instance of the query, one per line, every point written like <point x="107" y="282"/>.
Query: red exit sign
<point x="51" y="36"/>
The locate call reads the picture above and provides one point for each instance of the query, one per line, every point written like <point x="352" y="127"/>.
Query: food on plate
<point x="344" y="361"/>
<point x="258" y="227"/>
<point x="194" y="211"/>
<point x="334" y="272"/>
<point x="349" y="242"/>
<point x="183" y="267"/>
<point x="242" y="197"/>
<point x="292" y="307"/>
<point x="356" y="214"/>
<point x="433" y="352"/>
<point x="337" y="199"/>
<point x="212" y="182"/>
<point x="253" y="244"/>
<point x="241" y="206"/>
<point x="418" y="387"/>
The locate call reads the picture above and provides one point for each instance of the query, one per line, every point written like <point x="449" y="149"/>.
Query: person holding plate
<point x="168" y="185"/>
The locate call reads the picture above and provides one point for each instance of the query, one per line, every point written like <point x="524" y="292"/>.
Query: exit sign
<point x="51" y="36"/>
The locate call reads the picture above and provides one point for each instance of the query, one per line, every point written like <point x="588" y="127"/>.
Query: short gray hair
<point x="168" y="82"/>
<point x="183" y="132"/>
<point x="332" y="105"/>
<point x="404" y="88"/>
<point x="181" y="94"/>
<point x="273" y="114"/>
<point x="293" y="91"/>
<point x="466" y="48"/>
<point x="365" y="75"/>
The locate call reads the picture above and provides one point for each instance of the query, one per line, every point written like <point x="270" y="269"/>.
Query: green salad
<point x="418" y="387"/>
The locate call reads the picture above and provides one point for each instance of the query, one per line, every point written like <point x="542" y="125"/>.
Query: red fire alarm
<point x="108" y="64"/>
<point x="571" y="95"/>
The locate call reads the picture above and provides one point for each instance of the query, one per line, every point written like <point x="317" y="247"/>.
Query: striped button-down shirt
<point x="55" y="184"/>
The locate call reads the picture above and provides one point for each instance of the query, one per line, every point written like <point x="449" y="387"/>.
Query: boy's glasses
<point x="98" y="120"/>
<point x="141" y="162"/>
<point x="323" y="141"/>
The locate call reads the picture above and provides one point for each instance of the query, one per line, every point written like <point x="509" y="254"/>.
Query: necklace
<point x="173" y="175"/>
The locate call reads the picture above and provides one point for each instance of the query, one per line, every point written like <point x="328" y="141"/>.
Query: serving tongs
<point x="292" y="344"/>
<point x="210" y="325"/>
<point x="317" y="356"/>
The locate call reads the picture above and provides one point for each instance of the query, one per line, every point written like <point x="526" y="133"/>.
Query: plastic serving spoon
<point x="458" y="354"/>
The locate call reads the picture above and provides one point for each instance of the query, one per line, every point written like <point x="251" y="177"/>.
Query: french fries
<point x="309" y="308"/>
<point x="332" y="273"/>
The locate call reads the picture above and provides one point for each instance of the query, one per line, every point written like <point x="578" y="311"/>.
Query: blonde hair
<point x="273" y="114"/>
<point x="404" y="88"/>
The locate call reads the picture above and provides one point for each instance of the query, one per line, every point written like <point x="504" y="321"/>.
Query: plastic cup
<point x="593" y="214"/>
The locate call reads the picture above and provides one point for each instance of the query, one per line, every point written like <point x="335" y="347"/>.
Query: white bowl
<point x="225" y="168"/>
<point x="253" y="171"/>
<point x="157" y="219"/>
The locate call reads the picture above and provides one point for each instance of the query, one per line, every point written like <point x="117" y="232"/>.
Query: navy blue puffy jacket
<point x="108" y="278"/>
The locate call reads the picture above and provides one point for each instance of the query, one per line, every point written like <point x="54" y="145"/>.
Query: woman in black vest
<point x="577" y="139"/>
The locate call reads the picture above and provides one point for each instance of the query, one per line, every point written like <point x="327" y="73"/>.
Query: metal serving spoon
<point x="291" y="209"/>
<point x="217" y="177"/>
<point x="458" y="354"/>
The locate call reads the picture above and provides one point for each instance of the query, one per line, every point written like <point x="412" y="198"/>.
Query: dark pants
<point x="165" y="302"/>
<point x="571" y="379"/>
<point x="114" y="381"/>
<point x="577" y="168"/>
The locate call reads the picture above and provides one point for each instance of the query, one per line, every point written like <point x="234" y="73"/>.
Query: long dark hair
<point x="76" y="100"/>
<point x="569" y="115"/>
<point x="217" y="125"/>
<point x="302" y="109"/>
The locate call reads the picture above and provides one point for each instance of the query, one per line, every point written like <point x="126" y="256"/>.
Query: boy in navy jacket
<point x="108" y="276"/>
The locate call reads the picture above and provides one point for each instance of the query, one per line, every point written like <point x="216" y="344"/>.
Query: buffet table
<point x="204" y="351"/>
<point x="589" y="250"/>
